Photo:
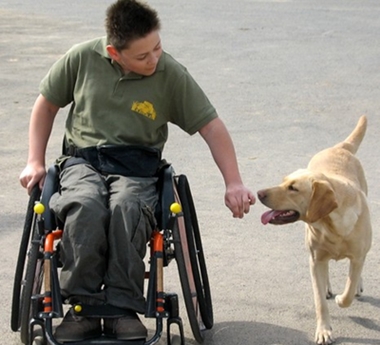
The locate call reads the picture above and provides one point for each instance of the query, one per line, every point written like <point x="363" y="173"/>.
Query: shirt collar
<point x="100" y="48"/>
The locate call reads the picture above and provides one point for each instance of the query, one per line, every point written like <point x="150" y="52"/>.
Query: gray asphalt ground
<point x="289" y="78"/>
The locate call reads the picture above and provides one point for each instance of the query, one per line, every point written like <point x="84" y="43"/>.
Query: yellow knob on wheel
<point x="175" y="207"/>
<point x="77" y="308"/>
<point x="39" y="208"/>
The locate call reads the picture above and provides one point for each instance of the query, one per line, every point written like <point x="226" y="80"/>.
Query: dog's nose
<point x="261" y="194"/>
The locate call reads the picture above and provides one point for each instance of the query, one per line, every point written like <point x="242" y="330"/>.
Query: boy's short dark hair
<point x="128" y="20"/>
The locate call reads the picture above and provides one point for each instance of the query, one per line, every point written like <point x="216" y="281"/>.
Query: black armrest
<point x="51" y="186"/>
<point x="166" y="196"/>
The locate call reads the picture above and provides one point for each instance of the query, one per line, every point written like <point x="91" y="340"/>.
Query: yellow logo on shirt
<point x="144" y="108"/>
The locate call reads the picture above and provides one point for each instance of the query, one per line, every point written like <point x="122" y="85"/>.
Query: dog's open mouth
<point x="279" y="217"/>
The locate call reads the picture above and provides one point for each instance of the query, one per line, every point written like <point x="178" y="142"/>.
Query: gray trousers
<point x="108" y="222"/>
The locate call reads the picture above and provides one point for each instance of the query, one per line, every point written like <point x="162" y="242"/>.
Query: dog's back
<point x="340" y="159"/>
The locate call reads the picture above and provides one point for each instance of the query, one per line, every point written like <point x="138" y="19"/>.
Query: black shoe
<point x="77" y="328"/>
<point x="128" y="327"/>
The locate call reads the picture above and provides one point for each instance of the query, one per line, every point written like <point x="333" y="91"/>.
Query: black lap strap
<point x="130" y="160"/>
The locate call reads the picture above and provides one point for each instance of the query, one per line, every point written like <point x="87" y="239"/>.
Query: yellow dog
<point x="330" y="196"/>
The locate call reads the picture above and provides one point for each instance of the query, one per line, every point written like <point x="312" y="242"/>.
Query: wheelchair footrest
<point x="108" y="341"/>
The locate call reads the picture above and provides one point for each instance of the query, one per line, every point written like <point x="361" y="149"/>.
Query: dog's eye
<point x="292" y="188"/>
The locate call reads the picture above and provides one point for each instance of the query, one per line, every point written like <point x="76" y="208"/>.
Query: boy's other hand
<point x="239" y="199"/>
<point x="31" y="175"/>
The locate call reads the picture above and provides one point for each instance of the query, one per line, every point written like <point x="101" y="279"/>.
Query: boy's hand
<point x="238" y="199"/>
<point x="31" y="175"/>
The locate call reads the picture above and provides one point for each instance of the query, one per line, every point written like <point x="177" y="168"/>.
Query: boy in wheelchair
<point x="123" y="90"/>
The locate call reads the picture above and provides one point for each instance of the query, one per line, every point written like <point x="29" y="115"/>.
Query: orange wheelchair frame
<point x="36" y="293"/>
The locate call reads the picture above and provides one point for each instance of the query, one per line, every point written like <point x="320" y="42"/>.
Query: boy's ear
<point x="113" y="53"/>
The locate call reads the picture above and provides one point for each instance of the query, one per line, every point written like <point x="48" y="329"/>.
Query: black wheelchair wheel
<point x="191" y="264"/>
<point x="24" y="243"/>
<point x="32" y="284"/>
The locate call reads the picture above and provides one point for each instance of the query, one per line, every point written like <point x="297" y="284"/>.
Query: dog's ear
<point x="322" y="201"/>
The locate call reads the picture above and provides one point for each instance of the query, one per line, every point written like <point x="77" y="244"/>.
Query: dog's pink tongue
<point x="267" y="216"/>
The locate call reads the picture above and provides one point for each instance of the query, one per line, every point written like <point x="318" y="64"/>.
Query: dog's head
<point x="301" y="196"/>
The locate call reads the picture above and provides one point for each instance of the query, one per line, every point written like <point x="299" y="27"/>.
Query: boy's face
<point x="142" y="55"/>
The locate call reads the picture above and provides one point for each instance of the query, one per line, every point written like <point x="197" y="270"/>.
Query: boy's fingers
<point x="30" y="185"/>
<point x="240" y="203"/>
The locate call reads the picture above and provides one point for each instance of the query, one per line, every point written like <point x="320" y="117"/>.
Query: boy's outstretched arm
<point x="41" y="123"/>
<point x="238" y="198"/>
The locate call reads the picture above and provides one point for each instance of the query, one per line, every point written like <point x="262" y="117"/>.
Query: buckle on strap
<point x="72" y="151"/>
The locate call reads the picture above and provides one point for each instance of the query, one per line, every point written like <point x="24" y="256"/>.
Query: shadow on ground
<point x="254" y="333"/>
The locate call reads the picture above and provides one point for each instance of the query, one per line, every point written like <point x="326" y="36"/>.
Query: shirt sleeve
<point x="191" y="108"/>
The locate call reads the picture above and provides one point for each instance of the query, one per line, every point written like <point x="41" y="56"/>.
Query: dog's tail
<point x="352" y="142"/>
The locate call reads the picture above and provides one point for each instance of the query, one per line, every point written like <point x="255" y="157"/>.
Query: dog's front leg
<point x="353" y="284"/>
<point x="319" y="277"/>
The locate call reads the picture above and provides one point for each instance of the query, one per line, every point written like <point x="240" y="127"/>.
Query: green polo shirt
<point x="110" y="107"/>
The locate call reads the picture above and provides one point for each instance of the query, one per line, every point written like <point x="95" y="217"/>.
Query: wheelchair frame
<point x="36" y="293"/>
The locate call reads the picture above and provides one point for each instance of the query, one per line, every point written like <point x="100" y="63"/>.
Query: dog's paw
<point x="342" y="301"/>
<point x="329" y="293"/>
<point x="323" y="336"/>
<point x="359" y="290"/>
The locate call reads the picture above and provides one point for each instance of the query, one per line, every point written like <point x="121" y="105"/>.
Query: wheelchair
<point x="37" y="302"/>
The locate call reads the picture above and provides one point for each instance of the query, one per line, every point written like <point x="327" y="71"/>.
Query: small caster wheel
<point x="38" y="341"/>
<point x="176" y="340"/>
